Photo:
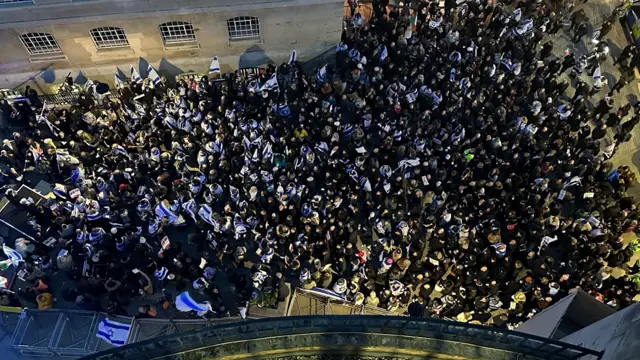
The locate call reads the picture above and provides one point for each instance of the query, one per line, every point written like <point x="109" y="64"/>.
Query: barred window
<point x="40" y="43"/>
<point x="243" y="27"/>
<point x="109" y="37"/>
<point x="177" y="32"/>
<point x="15" y="1"/>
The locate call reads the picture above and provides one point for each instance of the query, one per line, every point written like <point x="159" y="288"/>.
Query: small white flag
<point x="215" y="66"/>
<point x="293" y="57"/>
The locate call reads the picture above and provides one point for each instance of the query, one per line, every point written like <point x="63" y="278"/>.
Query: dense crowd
<point x="440" y="169"/>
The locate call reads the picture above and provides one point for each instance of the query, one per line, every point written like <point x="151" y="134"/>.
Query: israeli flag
<point x="240" y="227"/>
<point x="407" y="164"/>
<point x="215" y="66"/>
<point x="253" y="85"/>
<point x="234" y="193"/>
<point x="342" y="47"/>
<point x="383" y="53"/>
<point x="164" y="210"/>
<point x="135" y="77"/>
<point x="365" y="184"/>
<point x="293" y="57"/>
<point x="118" y="81"/>
<point x="132" y="115"/>
<point x="322" y="147"/>
<point x="161" y="273"/>
<point x="153" y="75"/>
<point x="355" y="55"/>
<point x="272" y="83"/>
<point x="523" y="28"/>
<point x="190" y="208"/>
<point x="119" y="150"/>
<point x="598" y="73"/>
<point x="114" y="333"/>
<point x="516" y="15"/>
<point x="412" y="96"/>
<point x="206" y="214"/>
<point x="185" y="303"/>
<point x="13" y="255"/>
<point x="75" y="175"/>
<point x="267" y="152"/>
<point x="284" y="110"/>
<point x="322" y="74"/>
<point x="433" y="24"/>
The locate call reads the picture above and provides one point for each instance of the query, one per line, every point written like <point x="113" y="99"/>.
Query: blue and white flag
<point x="215" y="66"/>
<point x="322" y="74"/>
<point x="365" y="184"/>
<point x="206" y="214"/>
<point x="412" y="96"/>
<point x="153" y="75"/>
<point x="355" y="55"/>
<point x="184" y="303"/>
<point x="383" y="53"/>
<point x="164" y="210"/>
<point x="267" y="152"/>
<point x="135" y="77"/>
<point x="293" y="57"/>
<point x="76" y="174"/>
<point x="13" y="255"/>
<point x="114" y="333"/>
<point x="598" y="73"/>
<point x="118" y="81"/>
<point x="435" y="23"/>
<point x="119" y="150"/>
<point x="272" y="83"/>
<point x="284" y="110"/>
<point x="342" y="47"/>
<point x="516" y="15"/>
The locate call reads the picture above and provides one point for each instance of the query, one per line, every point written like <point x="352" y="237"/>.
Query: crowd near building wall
<point x="94" y="36"/>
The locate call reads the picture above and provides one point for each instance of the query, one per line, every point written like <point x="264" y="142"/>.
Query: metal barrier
<point x="68" y="99"/>
<point x="71" y="333"/>
<point x="441" y="330"/>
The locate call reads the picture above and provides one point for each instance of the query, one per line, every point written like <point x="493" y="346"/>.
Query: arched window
<point x="177" y="32"/>
<point x="40" y="43"/>
<point x="109" y="37"/>
<point x="243" y="27"/>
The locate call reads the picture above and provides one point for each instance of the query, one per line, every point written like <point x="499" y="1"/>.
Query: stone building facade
<point x="43" y="40"/>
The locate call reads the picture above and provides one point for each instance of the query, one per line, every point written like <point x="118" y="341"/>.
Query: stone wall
<point x="308" y="26"/>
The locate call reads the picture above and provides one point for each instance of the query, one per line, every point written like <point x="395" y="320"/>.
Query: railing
<point x="72" y="333"/>
<point x="475" y="335"/>
<point x="68" y="99"/>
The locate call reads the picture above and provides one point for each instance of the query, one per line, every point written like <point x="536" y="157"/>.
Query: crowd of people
<point x="441" y="168"/>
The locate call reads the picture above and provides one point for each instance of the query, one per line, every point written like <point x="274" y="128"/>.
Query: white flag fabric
<point x="115" y="333"/>
<point x="272" y="83"/>
<point x="215" y="66"/>
<point x="13" y="255"/>
<point x="185" y="303"/>
<point x="117" y="81"/>
<point x="153" y="75"/>
<point x="598" y="73"/>
<point x="322" y="74"/>
<point x="135" y="77"/>
<point x="293" y="57"/>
